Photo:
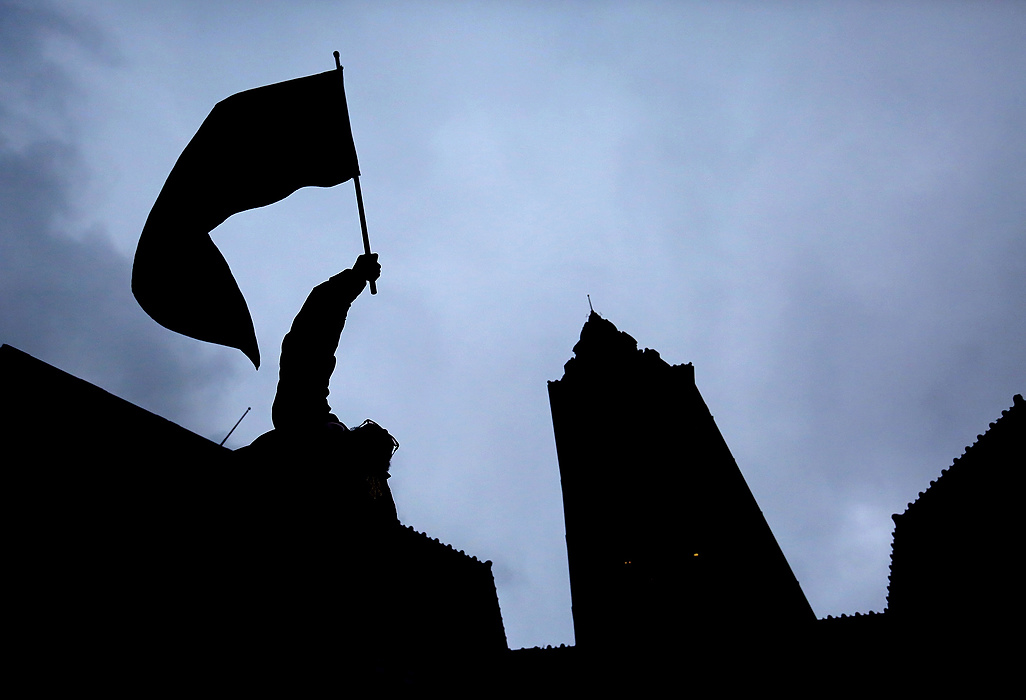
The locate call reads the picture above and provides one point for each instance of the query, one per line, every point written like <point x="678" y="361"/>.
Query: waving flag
<point x="253" y="149"/>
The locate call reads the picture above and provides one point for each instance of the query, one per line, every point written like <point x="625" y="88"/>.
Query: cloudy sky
<point x="821" y="205"/>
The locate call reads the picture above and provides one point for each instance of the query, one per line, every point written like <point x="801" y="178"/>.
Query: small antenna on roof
<point x="234" y="427"/>
<point x="589" y="304"/>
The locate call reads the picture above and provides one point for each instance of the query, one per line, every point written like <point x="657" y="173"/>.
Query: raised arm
<point x="308" y="350"/>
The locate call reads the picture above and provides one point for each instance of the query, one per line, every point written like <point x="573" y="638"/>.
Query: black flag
<point x="253" y="149"/>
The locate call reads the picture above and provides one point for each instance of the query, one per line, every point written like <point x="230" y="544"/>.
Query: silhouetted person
<point x="312" y="525"/>
<point x="308" y="437"/>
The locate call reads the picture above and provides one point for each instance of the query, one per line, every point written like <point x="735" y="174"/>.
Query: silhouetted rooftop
<point x="967" y="466"/>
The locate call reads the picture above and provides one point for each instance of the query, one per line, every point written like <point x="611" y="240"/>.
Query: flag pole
<point x="359" y="200"/>
<point x="363" y="226"/>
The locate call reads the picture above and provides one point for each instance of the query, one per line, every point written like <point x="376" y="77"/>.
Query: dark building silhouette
<point x="67" y="420"/>
<point x="105" y="501"/>
<point x="953" y="593"/>
<point x="142" y="552"/>
<point x="664" y="537"/>
<point x="648" y="483"/>
<point x="143" y="555"/>
<point x="949" y="559"/>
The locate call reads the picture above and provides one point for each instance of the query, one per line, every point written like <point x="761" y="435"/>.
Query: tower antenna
<point x="589" y="304"/>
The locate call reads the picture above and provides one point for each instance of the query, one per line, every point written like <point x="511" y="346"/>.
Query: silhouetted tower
<point x="664" y="537"/>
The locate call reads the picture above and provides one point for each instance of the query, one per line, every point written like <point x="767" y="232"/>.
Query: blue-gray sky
<point x="820" y="205"/>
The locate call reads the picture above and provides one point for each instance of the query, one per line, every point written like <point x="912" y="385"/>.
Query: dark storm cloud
<point x="64" y="292"/>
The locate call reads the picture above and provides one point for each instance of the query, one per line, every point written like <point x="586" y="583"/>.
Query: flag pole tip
<point x="338" y="62"/>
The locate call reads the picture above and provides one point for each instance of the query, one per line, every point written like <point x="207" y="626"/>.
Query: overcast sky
<point x="820" y="205"/>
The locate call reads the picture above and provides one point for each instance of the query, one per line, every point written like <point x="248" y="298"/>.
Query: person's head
<point x="372" y="445"/>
